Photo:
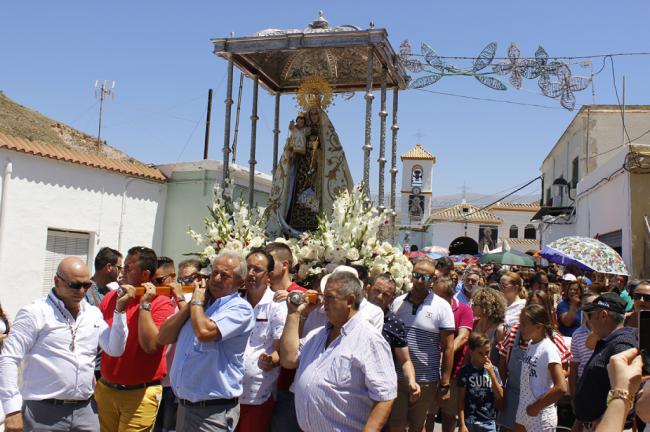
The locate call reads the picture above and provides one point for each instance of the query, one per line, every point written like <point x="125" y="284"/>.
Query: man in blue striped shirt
<point x="429" y="322"/>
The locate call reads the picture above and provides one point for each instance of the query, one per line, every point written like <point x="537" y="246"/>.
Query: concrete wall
<point x="45" y="193"/>
<point x="189" y="194"/>
<point x="640" y="209"/>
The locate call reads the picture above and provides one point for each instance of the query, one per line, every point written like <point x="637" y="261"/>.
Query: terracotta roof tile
<point x="502" y="205"/>
<point x="456" y="213"/>
<point x="80" y="157"/>
<point x="418" y="152"/>
<point x="529" y="243"/>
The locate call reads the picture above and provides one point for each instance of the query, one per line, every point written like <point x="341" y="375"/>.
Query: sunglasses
<point x="419" y="276"/>
<point x="187" y="280"/>
<point x="642" y="297"/>
<point x="161" y="279"/>
<point x="76" y="285"/>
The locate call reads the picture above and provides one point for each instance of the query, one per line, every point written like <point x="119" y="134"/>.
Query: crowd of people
<point x="471" y="347"/>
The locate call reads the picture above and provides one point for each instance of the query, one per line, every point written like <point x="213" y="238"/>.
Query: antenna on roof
<point x="102" y="91"/>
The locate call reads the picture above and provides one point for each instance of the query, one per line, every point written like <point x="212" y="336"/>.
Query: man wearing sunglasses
<point x="189" y="271"/>
<point x="606" y="316"/>
<point x="429" y="322"/>
<point x="60" y="333"/>
<point x="129" y="391"/>
<point x="108" y="265"/>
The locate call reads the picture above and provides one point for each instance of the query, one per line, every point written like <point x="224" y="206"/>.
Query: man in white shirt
<point x="56" y="339"/>
<point x="261" y="358"/>
<point x="346" y="378"/>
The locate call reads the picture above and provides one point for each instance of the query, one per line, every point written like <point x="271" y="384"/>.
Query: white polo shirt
<point x="423" y="326"/>
<point x="270" y="317"/>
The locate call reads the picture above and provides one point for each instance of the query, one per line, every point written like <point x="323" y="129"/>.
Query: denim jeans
<point x="489" y="426"/>
<point x="284" y="413"/>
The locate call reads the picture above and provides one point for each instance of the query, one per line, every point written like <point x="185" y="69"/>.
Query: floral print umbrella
<point x="587" y="253"/>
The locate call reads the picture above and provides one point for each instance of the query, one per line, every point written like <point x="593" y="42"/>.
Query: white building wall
<point x="45" y="193"/>
<point x="519" y="218"/>
<point x="443" y="233"/>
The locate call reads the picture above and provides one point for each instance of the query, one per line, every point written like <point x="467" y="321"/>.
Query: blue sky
<point x="159" y="54"/>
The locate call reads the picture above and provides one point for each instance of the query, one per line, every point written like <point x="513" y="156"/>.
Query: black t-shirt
<point x="393" y="331"/>
<point x="591" y="396"/>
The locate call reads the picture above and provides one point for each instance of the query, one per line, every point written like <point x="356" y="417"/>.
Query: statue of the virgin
<point x="312" y="170"/>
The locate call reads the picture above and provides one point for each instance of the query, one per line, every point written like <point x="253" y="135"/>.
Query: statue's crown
<point x="314" y="92"/>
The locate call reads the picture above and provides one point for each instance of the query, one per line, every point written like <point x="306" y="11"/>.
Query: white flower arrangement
<point x="231" y="225"/>
<point x="348" y="236"/>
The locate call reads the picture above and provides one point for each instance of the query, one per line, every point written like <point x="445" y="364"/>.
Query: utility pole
<point x="102" y="91"/>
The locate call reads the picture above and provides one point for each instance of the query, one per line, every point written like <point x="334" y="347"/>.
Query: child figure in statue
<point x="297" y="139"/>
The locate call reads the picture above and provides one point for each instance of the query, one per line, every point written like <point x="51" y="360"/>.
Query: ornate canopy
<point x="283" y="58"/>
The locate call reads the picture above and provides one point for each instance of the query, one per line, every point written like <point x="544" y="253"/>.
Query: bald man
<point x="56" y="339"/>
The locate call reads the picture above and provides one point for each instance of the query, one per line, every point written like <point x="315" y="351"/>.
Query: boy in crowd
<point x="480" y="391"/>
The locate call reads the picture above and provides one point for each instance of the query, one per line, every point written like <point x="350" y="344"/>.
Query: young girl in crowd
<point x="513" y="350"/>
<point x="480" y="392"/>
<point x="512" y="288"/>
<point x="542" y="378"/>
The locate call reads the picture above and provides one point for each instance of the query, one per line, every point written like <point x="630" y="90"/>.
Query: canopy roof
<point x="283" y="58"/>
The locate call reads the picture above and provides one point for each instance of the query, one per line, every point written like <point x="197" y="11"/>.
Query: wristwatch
<point x="445" y="388"/>
<point x="145" y="306"/>
<point x="620" y="394"/>
<point x="196" y="303"/>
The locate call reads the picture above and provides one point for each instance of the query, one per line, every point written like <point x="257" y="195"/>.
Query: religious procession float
<point x="313" y="206"/>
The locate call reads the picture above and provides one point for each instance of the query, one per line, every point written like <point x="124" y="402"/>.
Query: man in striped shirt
<point x="346" y="377"/>
<point x="429" y="322"/>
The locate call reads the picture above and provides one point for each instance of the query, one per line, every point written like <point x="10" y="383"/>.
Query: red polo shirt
<point x="285" y="379"/>
<point x="135" y="366"/>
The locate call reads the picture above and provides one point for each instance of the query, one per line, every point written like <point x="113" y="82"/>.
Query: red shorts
<point x="255" y="418"/>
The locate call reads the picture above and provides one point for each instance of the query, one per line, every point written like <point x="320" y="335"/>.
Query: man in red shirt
<point x="129" y="391"/>
<point x="284" y="412"/>
<point x="281" y="281"/>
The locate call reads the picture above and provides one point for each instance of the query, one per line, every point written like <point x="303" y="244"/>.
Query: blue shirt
<point x="479" y="397"/>
<point x="562" y="308"/>
<point x="461" y="296"/>
<point x="214" y="370"/>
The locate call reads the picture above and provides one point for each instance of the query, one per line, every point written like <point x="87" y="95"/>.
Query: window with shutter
<point x="61" y="244"/>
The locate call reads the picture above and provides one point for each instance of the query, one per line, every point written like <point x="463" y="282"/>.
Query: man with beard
<point x="381" y="292"/>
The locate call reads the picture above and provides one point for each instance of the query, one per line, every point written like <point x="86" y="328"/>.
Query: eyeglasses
<point x="76" y="285"/>
<point x="419" y="276"/>
<point x="161" y="279"/>
<point x="642" y="297"/>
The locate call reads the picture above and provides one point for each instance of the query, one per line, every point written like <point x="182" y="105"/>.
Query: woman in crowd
<point x="512" y="288"/>
<point x="539" y="281"/>
<point x="569" y="314"/>
<point x="543" y="382"/>
<point x="489" y="309"/>
<point x="513" y="350"/>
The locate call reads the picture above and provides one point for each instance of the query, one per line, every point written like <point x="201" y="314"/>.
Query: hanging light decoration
<point x="554" y="78"/>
